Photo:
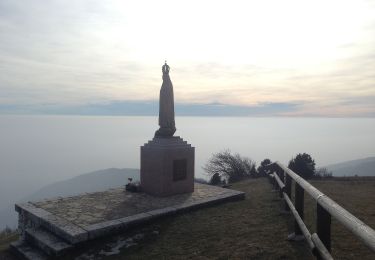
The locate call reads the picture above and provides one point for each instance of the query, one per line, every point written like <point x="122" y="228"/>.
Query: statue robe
<point x="166" y="109"/>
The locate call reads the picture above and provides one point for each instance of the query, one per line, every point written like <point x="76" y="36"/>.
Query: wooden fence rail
<point x="320" y="242"/>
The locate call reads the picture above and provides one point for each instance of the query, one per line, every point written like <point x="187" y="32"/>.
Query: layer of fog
<point x="39" y="150"/>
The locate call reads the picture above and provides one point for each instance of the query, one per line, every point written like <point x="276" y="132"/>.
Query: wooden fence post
<point x="288" y="189"/>
<point x="274" y="182"/>
<point x="299" y="205"/>
<point x="280" y="173"/>
<point x="323" y="226"/>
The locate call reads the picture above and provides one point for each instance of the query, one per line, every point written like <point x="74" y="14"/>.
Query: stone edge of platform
<point x="57" y="225"/>
<point x="76" y="234"/>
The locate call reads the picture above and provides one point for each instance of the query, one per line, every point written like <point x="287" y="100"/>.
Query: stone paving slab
<point x="91" y="215"/>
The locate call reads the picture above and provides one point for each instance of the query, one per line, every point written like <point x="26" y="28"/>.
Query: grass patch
<point x="5" y="239"/>
<point x="357" y="195"/>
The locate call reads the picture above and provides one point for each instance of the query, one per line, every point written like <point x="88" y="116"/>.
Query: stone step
<point x="46" y="241"/>
<point x="25" y="251"/>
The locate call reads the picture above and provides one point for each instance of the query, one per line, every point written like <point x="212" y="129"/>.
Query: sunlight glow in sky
<point x="317" y="54"/>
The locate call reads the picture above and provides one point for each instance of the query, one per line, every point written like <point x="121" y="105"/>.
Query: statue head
<point x="165" y="68"/>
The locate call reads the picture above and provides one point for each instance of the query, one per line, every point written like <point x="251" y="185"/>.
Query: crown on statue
<point x="165" y="68"/>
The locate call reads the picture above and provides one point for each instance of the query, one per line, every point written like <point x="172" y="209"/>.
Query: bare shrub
<point x="229" y="167"/>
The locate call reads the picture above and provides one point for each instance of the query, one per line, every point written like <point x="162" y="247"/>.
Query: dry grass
<point x="358" y="197"/>
<point x="5" y="240"/>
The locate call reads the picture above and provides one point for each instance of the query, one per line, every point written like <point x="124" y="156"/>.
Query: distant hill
<point x="360" y="167"/>
<point x="89" y="182"/>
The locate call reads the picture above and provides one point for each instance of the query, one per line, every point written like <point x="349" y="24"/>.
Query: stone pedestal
<point x="167" y="166"/>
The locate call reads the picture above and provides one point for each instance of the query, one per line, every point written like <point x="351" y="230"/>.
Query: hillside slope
<point x="88" y="182"/>
<point x="360" y="167"/>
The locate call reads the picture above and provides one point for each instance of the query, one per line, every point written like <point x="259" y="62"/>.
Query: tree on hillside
<point x="303" y="165"/>
<point x="262" y="167"/>
<point x="254" y="172"/>
<point x="229" y="167"/>
<point x="323" y="173"/>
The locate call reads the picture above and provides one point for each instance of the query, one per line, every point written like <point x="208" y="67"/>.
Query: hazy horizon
<point x="150" y="108"/>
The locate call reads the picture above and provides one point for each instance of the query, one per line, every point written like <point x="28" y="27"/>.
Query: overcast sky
<point x="317" y="54"/>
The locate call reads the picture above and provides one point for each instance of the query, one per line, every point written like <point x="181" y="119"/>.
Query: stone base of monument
<point x="167" y="166"/>
<point x="53" y="227"/>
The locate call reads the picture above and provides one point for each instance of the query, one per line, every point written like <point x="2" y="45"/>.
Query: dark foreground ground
<point x="253" y="228"/>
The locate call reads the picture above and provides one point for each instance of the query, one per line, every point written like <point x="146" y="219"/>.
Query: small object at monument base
<point x="167" y="166"/>
<point x="133" y="187"/>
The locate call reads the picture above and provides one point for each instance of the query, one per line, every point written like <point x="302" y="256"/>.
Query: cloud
<point x="75" y="53"/>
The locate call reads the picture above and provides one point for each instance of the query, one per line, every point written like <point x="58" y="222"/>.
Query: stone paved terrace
<point x="92" y="208"/>
<point x="92" y="215"/>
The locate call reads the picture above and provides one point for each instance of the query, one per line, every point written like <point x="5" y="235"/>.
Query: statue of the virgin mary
<point x="166" y="106"/>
